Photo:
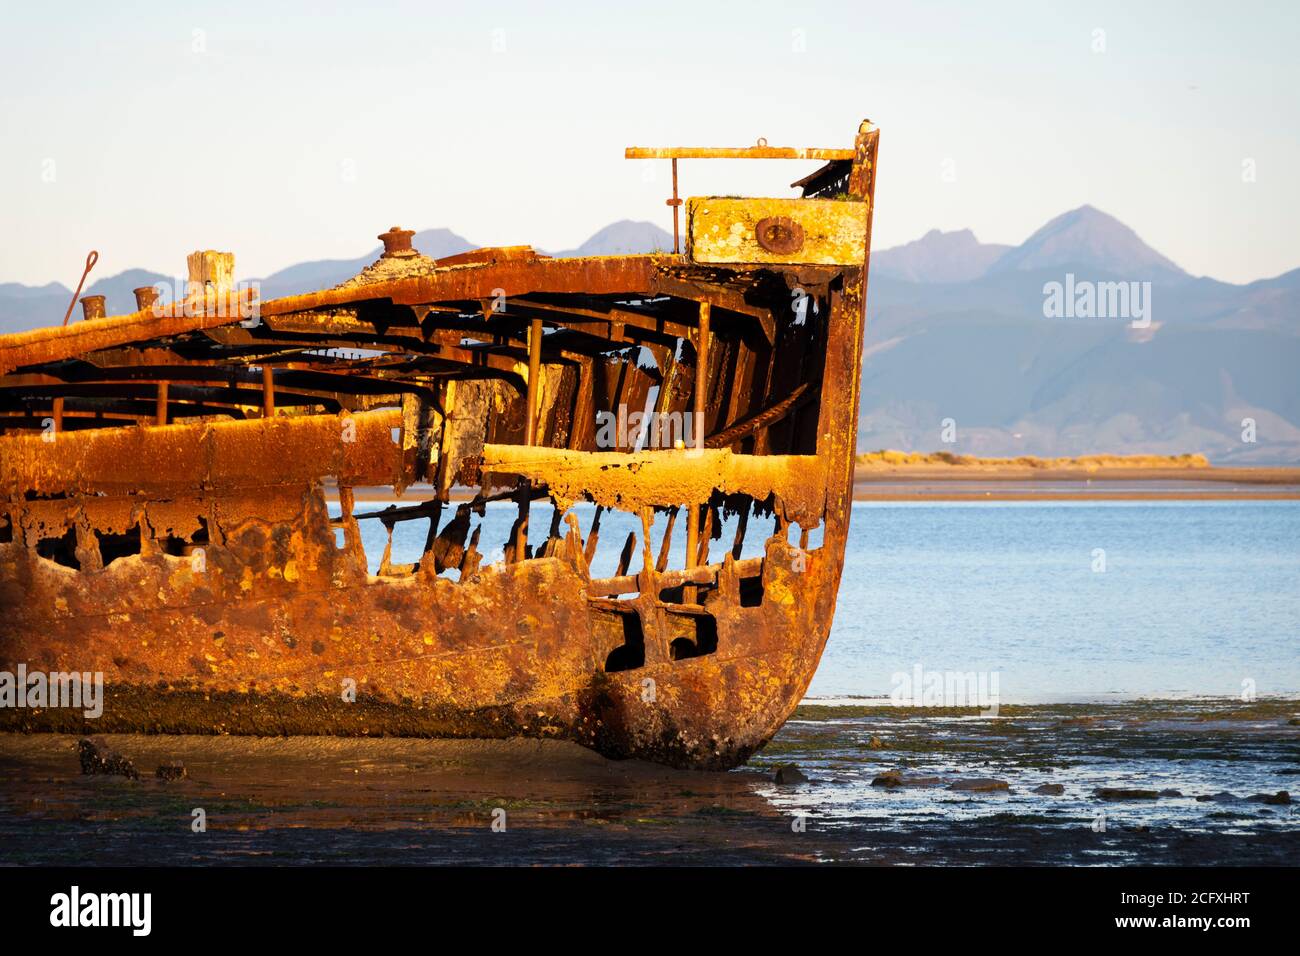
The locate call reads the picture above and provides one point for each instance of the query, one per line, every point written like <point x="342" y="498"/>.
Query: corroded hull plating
<point x="193" y="560"/>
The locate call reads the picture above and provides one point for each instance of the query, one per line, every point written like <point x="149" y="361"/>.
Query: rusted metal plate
<point x="663" y="478"/>
<point x="358" y="449"/>
<point x="813" y="231"/>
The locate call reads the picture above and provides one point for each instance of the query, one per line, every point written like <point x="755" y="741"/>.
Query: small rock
<point x="97" y="758"/>
<point x="1050" y="789"/>
<point x="1279" y="799"/>
<point x="1171" y="793"/>
<point x="1119" y="793"/>
<point x="788" y="773"/>
<point x="1223" y="796"/>
<point x="979" y="784"/>
<point x="895" y="778"/>
<point x="171" y="771"/>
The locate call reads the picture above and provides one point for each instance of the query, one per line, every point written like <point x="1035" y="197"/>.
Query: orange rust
<point x="356" y="449"/>
<point x="629" y="481"/>
<point x="198" y="565"/>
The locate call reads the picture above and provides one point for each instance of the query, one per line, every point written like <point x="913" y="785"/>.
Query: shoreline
<point x="1282" y="707"/>
<point x="1023" y="473"/>
<point x="881" y="703"/>
<point x="976" y="482"/>
<point x="1010" y="492"/>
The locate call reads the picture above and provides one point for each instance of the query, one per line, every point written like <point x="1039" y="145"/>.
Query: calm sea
<point x="1062" y="601"/>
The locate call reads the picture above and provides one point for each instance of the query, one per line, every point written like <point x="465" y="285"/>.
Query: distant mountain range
<point x="957" y="329"/>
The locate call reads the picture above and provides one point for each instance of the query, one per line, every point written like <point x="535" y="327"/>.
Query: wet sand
<point x="310" y="800"/>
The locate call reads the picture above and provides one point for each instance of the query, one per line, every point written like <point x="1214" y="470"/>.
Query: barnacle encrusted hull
<point x="177" y="507"/>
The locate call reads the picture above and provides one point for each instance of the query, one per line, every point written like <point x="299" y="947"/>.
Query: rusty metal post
<point x="697" y="410"/>
<point x="534" y="372"/>
<point x="524" y="499"/>
<point x="145" y="297"/>
<point x="692" y="544"/>
<point x="676" y="203"/>
<point x="58" y="415"/>
<point x="706" y="534"/>
<point x="160" y="413"/>
<point x="211" y="278"/>
<point x="268" y="392"/>
<point x="701" y="372"/>
<point x="530" y="429"/>
<point x="92" y="307"/>
<point x="397" y="243"/>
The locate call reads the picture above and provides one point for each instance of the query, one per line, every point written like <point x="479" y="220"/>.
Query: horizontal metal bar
<point x="725" y="152"/>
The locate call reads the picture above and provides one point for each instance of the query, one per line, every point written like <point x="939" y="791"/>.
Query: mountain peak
<point x="625" y="237"/>
<point x="1088" y="238"/>
<point x="938" y="256"/>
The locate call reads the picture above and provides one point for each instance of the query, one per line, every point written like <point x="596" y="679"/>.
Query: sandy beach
<point x="879" y="481"/>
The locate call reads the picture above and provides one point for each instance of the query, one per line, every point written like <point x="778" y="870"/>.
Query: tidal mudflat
<point x="1206" y="782"/>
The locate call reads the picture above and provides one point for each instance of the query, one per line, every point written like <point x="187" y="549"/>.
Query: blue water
<point x="1197" y="598"/>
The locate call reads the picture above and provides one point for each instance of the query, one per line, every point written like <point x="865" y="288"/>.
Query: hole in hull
<point x="701" y="637"/>
<point x="114" y="546"/>
<point x="62" y="550"/>
<point x="631" y="654"/>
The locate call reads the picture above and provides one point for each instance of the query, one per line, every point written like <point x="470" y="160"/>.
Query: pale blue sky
<point x="301" y="130"/>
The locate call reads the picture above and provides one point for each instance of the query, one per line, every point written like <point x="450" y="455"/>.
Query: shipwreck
<point x="180" y="508"/>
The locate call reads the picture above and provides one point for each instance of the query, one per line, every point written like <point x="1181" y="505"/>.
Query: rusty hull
<point x="166" y="480"/>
